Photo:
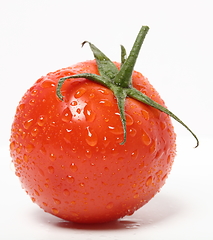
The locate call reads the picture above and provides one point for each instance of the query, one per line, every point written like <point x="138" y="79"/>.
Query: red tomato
<point x="72" y="156"/>
<point x="68" y="154"/>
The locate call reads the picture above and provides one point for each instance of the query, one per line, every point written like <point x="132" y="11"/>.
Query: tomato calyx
<point x="120" y="81"/>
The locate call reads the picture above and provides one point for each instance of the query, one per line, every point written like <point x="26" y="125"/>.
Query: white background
<point x="177" y="57"/>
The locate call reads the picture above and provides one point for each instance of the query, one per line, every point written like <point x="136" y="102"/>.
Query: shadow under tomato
<point x="160" y="208"/>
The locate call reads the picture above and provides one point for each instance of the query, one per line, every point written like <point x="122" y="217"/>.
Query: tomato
<point x="71" y="157"/>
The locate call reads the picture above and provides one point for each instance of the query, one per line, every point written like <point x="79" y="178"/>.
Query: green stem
<point x="124" y="77"/>
<point x="120" y="82"/>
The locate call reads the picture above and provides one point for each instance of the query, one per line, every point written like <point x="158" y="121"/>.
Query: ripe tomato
<point x="69" y="154"/>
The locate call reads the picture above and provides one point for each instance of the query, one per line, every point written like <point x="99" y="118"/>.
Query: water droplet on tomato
<point x="145" y="114"/>
<point x="105" y="102"/>
<point x="81" y="184"/>
<point x="149" y="181"/>
<point x="34" y="131"/>
<point x="41" y="121"/>
<point x="66" y="115"/>
<point x="45" y="204"/>
<point x="73" y="167"/>
<point x="29" y="148"/>
<point x="47" y="84"/>
<point x="169" y="159"/>
<point x="43" y="150"/>
<point x="56" y="201"/>
<point x="130" y="212"/>
<point x="74" y="214"/>
<point x="106" y="141"/>
<point x="51" y="169"/>
<point x="104" y="91"/>
<point x="36" y="192"/>
<point x="136" y="195"/>
<point x="66" y="192"/>
<point x="55" y="211"/>
<point x="158" y="173"/>
<point x="109" y="205"/>
<point x="134" y="154"/>
<point x="52" y="157"/>
<point x="27" y="124"/>
<point x="34" y="92"/>
<point x="117" y="130"/>
<point x="162" y="125"/>
<point x="164" y="177"/>
<point x="129" y="120"/>
<point x="89" y="114"/>
<point x="80" y="92"/>
<point x="40" y="171"/>
<point x="146" y="139"/>
<point x="32" y="102"/>
<point x="74" y="103"/>
<point x="88" y="153"/>
<point x="12" y="145"/>
<point x="91" y="137"/>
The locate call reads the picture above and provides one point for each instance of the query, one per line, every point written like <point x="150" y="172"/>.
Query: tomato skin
<point x="67" y="154"/>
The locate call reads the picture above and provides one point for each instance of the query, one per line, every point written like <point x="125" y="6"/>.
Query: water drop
<point x="164" y="177"/>
<point x="34" y="132"/>
<point x="134" y="154"/>
<point x="117" y="130"/>
<point x="104" y="91"/>
<point x="41" y="121"/>
<point x="105" y="102"/>
<point x="73" y="167"/>
<point x="109" y="205"/>
<point x="158" y="173"/>
<point x="36" y="192"/>
<point x="27" y="124"/>
<point x="169" y="159"/>
<point x="56" y="201"/>
<point x="74" y="214"/>
<point x="129" y="120"/>
<point x="51" y="169"/>
<point x="55" y="211"/>
<point x="52" y="157"/>
<point x="29" y="148"/>
<point x="80" y="92"/>
<point x="130" y="212"/>
<point x="66" y="115"/>
<point x="91" y="137"/>
<point x="88" y="153"/>
<point x="32" y="102"/>
<point x="34" y="92"/>
<point x="152" y="148"/>
<point x="66" y="192"/>
<point x="40" y="189"/>
<point x="12" y="145"/>
<point x="149" y="181"/>
<point x="136" y="195"/>
<point x="146" y="139"/>
<point x="47" y="84"/>
<point x="40" y="171"/>
<point x="42" y="150"/>
<point x="89" y="114"/>
<point x="73" y="103"/>
<point x="145" y="114"/>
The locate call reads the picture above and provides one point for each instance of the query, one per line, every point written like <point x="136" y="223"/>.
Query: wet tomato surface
<point x="67" y="154"/>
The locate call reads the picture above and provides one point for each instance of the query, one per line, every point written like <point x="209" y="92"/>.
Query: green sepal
<point x="120" y="82"/>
